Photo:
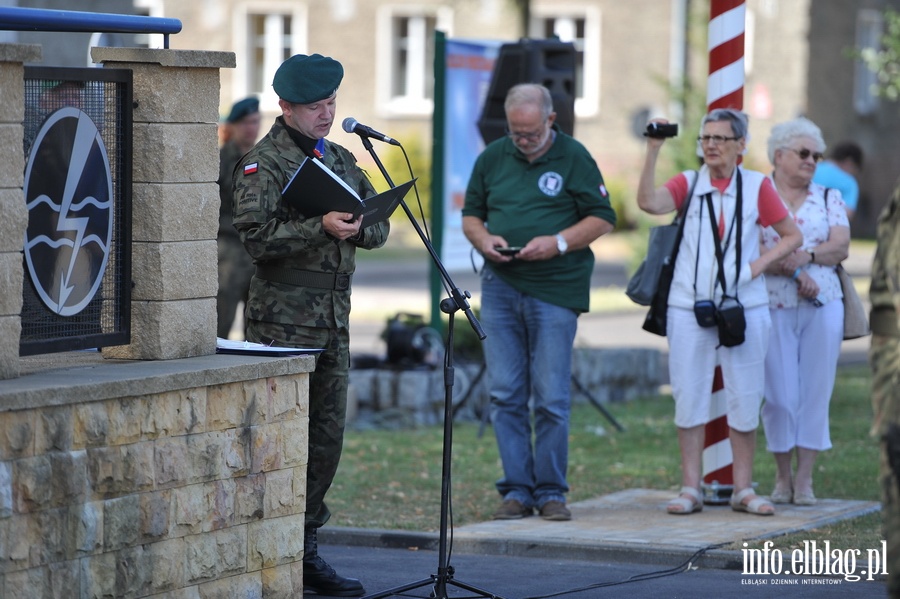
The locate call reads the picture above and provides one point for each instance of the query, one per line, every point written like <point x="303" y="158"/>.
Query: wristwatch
<point x="561" y="244"/>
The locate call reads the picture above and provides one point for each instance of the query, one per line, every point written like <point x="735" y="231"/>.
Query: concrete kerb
<point x="417" y="541"/>
<point x="710" y="557"/>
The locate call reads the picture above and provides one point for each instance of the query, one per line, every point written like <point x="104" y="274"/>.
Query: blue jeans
<point x="528" y="352"/>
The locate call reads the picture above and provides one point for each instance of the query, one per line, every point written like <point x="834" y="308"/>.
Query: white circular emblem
<point x="550" y="183"/>
<point x="69" y="196"/>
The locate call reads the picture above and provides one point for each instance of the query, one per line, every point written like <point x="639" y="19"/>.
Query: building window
<point x="869" y="29"/>
<point x="406" y="57"/>
<point x="266" y="32"/>
<point x="149" y="8"/>
<point x="582" y="30"/>
<point x="268" y="45"/>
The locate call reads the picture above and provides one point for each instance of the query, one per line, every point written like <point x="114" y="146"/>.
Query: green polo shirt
<point x="520" y="200"/>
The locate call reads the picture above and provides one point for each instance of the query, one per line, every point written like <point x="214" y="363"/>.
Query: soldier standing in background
<point x="235" y="266"/>
<point x="884" y="356"/>
<point x="300" y="293"/>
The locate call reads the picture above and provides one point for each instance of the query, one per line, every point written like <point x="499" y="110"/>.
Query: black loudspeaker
<point x="548" y="62"/>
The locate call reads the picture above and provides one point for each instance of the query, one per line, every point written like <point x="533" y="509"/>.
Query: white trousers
<point x="693" y="355"/>
<point x="804" y="347"/>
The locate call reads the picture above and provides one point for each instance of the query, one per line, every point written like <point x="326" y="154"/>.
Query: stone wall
<point x="177" y="479"/>
<point x="388" y="397"/>
<point x="12" y="200"/>
<point x="175" y="200"/>
<point x="155" y="469"/>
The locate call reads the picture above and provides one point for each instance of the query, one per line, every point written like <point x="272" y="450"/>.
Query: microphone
<point x="351" y="125"/>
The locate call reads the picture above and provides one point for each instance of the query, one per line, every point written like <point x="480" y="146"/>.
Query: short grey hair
<point x="738" y="120"/>
<point x="523" y="94"/>
<point x="784" y="133"/>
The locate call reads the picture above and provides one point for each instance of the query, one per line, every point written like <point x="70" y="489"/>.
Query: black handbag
<point x="661" y="249"/>
<point x="664" y="265"/>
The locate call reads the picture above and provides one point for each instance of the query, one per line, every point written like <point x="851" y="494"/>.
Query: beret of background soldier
<point x="242" y="108"/>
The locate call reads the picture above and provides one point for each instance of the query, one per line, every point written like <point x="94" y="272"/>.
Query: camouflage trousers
<point x="235" y="269"/>
<point x="328" y="385"/>
<point x="884" y="356"/>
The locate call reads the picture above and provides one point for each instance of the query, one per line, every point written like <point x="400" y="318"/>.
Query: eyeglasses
<point x="716" y="140"/>
<point x="806" y="153"/>
<point x="530" y="136"/>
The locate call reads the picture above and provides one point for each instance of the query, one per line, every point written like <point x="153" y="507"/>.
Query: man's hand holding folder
<point x="315" y="190"/>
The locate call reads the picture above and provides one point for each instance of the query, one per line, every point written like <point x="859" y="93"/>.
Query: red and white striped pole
<point x="724" y="89"/>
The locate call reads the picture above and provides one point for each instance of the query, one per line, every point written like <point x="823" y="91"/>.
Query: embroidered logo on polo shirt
<point x="550" y="183"/>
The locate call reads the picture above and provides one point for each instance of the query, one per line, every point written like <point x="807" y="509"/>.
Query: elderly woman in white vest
<point x="718" y="269"/>
<point x="807" y="312"/>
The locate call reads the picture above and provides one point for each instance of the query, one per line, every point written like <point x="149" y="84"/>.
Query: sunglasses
<point x="805" y="153"/>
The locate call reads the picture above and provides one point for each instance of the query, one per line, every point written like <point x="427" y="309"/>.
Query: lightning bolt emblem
<point x="85" y="135"/>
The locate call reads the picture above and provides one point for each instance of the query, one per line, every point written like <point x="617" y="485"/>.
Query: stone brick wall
<point x="12" y="200"/>
<point x="397" y="398"/>
<point x="175" y="200"/>
<point x="178" y="479"/>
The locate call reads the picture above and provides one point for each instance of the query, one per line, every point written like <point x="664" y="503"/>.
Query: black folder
<point x="315" y="190"/>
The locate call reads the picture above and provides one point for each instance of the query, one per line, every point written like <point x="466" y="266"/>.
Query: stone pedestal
<point x="12" y="201"/>
<point x="175" y="202"/>
<point x="164" y="479"/>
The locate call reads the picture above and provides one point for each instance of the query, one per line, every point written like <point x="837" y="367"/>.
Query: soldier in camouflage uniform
<point x="884" y="356"/>
<point x="235" y="265"/>
<point x="300" y="293"/>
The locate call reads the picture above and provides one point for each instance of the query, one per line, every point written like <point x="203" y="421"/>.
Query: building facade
<point x="636" y="59"/>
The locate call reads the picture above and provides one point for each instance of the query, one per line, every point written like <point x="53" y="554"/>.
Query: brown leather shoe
<point x="555" y="510"/>
<point x="512" y="509"/>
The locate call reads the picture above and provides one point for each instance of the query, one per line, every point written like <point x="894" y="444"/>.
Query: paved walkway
<point x="630" y="526"/>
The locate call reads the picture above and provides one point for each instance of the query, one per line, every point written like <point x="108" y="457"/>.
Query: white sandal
<point x="682" y="505"/>
<point x="754" y="506"/>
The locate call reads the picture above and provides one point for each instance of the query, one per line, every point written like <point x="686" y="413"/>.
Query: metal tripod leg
<point x="583" y="390"/>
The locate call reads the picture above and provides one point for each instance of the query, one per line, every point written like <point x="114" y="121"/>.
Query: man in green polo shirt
<point x="539" y="190"/>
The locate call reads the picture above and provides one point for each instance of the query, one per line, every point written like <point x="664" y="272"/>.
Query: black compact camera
<point x="705" y="313"/>
<point x="661" y="130"/>
<point x="731" y="322"/>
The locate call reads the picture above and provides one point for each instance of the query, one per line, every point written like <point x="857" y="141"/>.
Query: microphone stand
<point x="457" y="301"/>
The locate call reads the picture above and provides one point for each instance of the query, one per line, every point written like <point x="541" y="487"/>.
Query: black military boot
<point x="319" y="578"/>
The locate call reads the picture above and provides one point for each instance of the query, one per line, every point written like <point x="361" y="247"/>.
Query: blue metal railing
<point x="40" y="19"/>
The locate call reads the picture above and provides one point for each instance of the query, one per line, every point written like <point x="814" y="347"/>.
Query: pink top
<point x="771" y="208"/>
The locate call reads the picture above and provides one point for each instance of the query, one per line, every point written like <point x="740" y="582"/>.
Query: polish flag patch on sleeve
<point x="251" y="168"/>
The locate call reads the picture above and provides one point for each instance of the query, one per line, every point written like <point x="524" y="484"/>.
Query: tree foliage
<point x="886" y="61"/>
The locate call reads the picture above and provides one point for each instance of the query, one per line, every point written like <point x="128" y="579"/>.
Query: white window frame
<point x="420" y="73"/>
<point x="588" y="105"/>
<point x="243" y="11"/>
<point x="869" y="31"/>
<point x="154" y="8"/>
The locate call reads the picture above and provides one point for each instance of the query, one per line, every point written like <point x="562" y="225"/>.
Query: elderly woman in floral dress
<point x="807" y="312"/>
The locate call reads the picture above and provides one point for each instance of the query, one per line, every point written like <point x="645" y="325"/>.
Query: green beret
<point x="242" y="108"/>
<point x="303" y="79"/>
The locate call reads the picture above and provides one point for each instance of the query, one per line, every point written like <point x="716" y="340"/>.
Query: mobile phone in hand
<point x="508" y="251"/>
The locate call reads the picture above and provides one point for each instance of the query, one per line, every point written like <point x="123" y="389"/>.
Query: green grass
<point x="392" y="479"/>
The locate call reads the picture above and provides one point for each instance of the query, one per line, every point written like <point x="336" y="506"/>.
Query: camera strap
<point x="739" y="217"/>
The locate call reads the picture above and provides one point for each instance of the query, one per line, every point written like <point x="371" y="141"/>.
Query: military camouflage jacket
<point x="884" y="292"/>
<point x="229" y="154"/>
<point x="277" y="235"/>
